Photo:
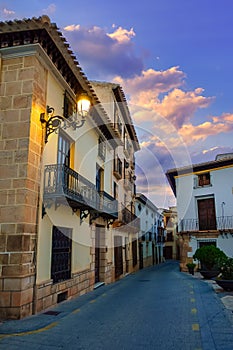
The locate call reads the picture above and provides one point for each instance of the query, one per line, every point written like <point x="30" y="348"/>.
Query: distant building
<point x="204" y="195"/>
<point x="151" y="236"/>
<point x="171" y="249"/>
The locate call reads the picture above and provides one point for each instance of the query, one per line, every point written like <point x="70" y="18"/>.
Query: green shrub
<point x="210" y="257"/>
<point x="190" y="265"/>
<point x="227" y="269"/>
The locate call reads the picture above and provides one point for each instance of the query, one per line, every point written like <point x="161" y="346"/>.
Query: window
<point x="69" y="106"/>
<point x="63" y="154"/>
<point x="204" y="179"/>
<point x="65" y="160"/>
<point x="101" y="148"/>
<point x="115" y="190"/>
<point x="134" y="252"/>
<point x="169" y="237"/>
<point x="117" y="167"/>
<point x="126" y="166"/>
<point x="126" y="141"/>
<point x="99" y="178"/>
<point x="117" y="121"/>
<point x="61" y="254"/>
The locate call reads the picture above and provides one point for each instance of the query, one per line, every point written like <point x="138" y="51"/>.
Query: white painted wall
<point x="221" y="188"/>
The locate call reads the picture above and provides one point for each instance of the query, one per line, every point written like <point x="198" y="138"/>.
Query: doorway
<point x="206" y="214"/>
<point x="118" y="256"/>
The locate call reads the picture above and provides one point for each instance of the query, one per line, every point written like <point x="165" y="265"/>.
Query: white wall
<point x="221" y="188"/>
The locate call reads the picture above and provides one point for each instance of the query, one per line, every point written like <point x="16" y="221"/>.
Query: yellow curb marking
<point x="192" y="300"/>
<point x="194" y="311"/>
<point x="195" y="327"/>
<point x="103" y="295"/>
<point x="29" y="332"/>
<point x="92" y="301"/>
<point x="76" y="311"/>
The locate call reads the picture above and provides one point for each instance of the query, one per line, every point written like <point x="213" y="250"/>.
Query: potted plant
<point x="191" y="267"/>
<point x="225" y="278"/>
<point x="210" y="258"/>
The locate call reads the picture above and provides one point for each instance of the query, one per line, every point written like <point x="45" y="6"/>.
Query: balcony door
<point x="97" y="254"/>
<point x="99" y="180"/>
<point x="206" y="214"/>
<point x="63" y="161"/>
<point x="63" y="154"/>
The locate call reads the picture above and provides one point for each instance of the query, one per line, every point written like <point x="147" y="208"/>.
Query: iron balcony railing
<point x="221" y="223"/>
<point x="61" y="182"/>
<point x="127" y="217"/>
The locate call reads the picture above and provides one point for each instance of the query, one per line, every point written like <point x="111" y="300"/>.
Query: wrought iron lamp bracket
<point x="110" y="222"/>
<point x="54" y="122"/>
<point x="83" y="215"/>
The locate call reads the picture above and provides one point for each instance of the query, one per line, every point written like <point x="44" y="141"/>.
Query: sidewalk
<point x="225" y="297"/>
<point x="49" y="318"/>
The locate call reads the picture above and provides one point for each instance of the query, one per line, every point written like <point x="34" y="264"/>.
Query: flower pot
<point x="191" y="270"/>
<point x="208" y="274"/>
<point x="224" y="284"/>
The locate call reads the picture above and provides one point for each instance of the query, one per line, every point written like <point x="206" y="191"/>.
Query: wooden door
<point x="140" y="255"/>
<point x="97" y="254"/>
<point x="206" y="214"/>
<point x="118" y="256"/>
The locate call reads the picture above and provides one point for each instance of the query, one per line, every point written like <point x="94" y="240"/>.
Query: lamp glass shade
<point x="84" y="104"/>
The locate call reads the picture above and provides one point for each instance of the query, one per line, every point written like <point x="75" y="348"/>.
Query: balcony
<point x="222" y="223"/>
<point x="126" y="217"/>
<point x="63" y="185"/>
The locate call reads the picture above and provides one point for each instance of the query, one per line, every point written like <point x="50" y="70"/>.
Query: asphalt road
<point x="156" y="308"/>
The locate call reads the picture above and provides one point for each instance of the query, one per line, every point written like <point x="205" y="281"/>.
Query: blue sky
<point x="174" y="62"/>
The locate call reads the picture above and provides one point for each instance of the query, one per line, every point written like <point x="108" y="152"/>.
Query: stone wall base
<point x="49" y="294"/>
<point x="16" y="297"/>
<point x="148" y="261"/>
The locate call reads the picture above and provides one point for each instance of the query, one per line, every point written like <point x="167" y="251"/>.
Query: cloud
<point x="122" y="35"/>
<point x="145" y="88"/>
<point x="160" y="91"/>
<point x="103" y="54"/>
<point x="207" y="154"/>
<point x="193" y="133"/>
<point x="7" y="13"/>
<point x="50" y="9"/>
<point x="179" y="106"/>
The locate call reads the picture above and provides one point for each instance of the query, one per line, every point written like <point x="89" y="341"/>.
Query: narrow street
<point x="155" y="308"/>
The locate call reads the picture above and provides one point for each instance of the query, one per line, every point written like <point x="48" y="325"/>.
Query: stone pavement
<point x="158" y="308"/>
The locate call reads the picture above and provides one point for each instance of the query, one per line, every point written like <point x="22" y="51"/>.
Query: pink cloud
<point x="191" y="133"/>
<point x="150" y="83"/>
<point x="179" y="106"/>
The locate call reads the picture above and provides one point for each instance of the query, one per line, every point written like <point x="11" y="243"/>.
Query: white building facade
<point x="152" y="233"/>
<point x="204" y="195"/>
<point x="125" y="228"/>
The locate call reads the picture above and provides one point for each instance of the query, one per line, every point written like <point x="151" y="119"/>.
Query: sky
<point x="174" y="60"/>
